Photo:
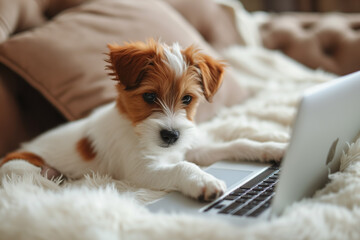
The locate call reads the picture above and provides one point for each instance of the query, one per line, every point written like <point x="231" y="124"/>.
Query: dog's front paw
<point x="206" y="187"/>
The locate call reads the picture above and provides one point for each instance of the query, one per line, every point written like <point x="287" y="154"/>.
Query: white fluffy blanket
<point x="98" y="207"/>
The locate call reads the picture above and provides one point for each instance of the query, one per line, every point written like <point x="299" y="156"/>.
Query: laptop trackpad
<point x="229" y="176"/>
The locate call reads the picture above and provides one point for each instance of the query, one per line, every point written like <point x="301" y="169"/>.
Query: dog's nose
<point x="169" y="136"/>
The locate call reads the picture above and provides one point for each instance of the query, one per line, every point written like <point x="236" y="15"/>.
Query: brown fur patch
<point x="26" y="156"/>
<point x="85" y="149"/>
<point x="212" y="70"/>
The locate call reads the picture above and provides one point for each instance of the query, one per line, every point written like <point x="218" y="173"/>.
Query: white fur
<point x="149" y="130"/>
<point x="206" y="154"/>
<point x="175" y="60"/>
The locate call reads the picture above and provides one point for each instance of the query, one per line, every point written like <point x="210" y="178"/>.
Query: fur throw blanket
<point x="98" y="207"/>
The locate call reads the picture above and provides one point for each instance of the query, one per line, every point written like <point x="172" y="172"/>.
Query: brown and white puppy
<point x="141" y="137"/>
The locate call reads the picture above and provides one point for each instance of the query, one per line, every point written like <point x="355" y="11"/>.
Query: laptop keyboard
<point x="250" y="199"/>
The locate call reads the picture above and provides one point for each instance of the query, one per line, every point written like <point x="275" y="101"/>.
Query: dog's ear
<point x="128" y="63"/>
<point x="212" y="72"/>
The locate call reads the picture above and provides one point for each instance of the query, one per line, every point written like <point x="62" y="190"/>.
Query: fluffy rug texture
<point x="98" y="207"/>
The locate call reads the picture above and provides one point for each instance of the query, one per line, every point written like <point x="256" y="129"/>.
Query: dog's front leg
<point x="182" y="176"/>
<point x="239" y="149"/>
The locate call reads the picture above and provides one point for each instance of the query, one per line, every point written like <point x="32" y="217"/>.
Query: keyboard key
<point x="261" y="197"/>
<point x="269" y="191"/>
<point x="252" y="192"/>
<point x="257" y="212"/>
<point x="247" y="196"/>
<point x="264" y="184"/>
<point x="269" y="181"/>
<point x="241" y="212"/>
<point x="247" y="207"/>
<point x="239" y="191"/>
<point x="230" y="208"/>
<point x="254" y="202"/>
<point x="236" y="193"/>
<point x="259" y="188"/>
<point x="230" y="197"/>
<point x="219" y="206"/>
<point x="241" y="200"/>
<point x="266" y="193"/>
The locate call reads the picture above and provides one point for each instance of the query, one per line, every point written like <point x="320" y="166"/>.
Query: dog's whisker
<point x="168" y="111"/>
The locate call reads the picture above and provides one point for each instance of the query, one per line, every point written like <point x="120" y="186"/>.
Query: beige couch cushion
<point x="20" y="15"/>
<point x="64" y="59"/>
<point x="328" y="41"/>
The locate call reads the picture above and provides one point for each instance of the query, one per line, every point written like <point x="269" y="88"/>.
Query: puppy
<point x="141" y="137"/>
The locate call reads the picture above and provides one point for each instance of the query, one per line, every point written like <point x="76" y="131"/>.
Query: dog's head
<point x="160" y="87"/>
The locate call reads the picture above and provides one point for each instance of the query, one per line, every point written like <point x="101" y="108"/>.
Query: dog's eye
<point x="149" y="97"/>
<point x="186" y="99"/>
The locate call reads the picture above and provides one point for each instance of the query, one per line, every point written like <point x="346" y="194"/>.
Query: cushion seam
<point x="37" y="85"/>
<point x="4" y="23"/>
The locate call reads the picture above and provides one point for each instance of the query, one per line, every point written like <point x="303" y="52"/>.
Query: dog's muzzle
<point x="169" y="136"/>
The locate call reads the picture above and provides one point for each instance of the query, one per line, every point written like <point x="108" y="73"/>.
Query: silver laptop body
<point x="328" y="118"/>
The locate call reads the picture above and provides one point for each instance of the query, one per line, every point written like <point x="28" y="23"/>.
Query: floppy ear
<point x="212" y="72"/>
<point x="128" y="63"/>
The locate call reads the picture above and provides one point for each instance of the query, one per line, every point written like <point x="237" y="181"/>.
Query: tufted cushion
<point x="327" y="41"/>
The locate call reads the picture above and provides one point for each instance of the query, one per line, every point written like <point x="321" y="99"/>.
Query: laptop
<point x="327" y="119"/>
